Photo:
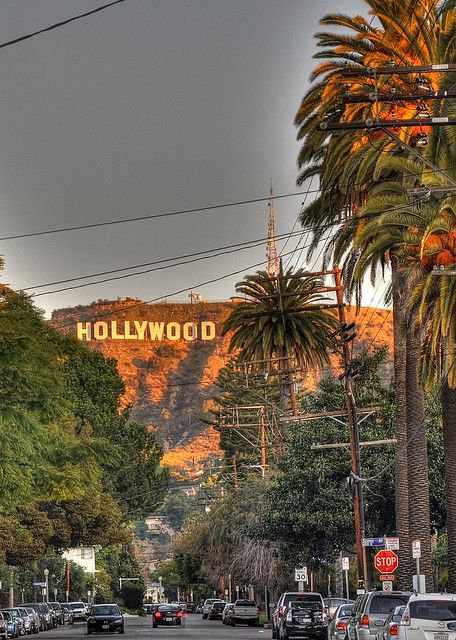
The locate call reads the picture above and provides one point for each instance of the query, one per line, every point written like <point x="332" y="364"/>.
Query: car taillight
<point x="365" y="621"/>
<point x="393" y="630"/>
<point x="341" y="625"/>
<point x="179" y="614"/>
<point x="157" y="614"/>
<point x="281" y="610"/>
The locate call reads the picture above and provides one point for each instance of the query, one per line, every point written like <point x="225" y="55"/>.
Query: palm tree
<point x="410" y="32"/>
<point x="283" y="318"/>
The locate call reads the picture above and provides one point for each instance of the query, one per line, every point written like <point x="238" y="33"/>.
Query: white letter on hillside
<point x="207" y="330"/>
<point x="173" y="331"/>
<point x="128" y="335"/>
<point x="140" y="329"/>
<point x="156" y="330"/>
<point x="84" y="330"/>
<point x="100" y="330"/>
<point x="190" y="331"/>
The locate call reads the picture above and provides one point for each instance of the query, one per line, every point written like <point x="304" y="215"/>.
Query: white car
<point x="429" y="616"/>
<point x="207" y="606"/>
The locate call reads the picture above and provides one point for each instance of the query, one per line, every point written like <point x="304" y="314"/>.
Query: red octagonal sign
<point x="386" y="561"/>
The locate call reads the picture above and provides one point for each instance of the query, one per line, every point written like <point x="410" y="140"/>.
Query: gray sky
<point x="149" y="107"/>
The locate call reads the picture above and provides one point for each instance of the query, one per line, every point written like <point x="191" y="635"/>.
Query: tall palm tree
<point x="408" y="32"/>
<point x="283" y="318"/>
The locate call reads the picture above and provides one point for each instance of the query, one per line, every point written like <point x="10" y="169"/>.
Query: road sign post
<point x="301" y="574"/>
<point x="345" y="568"/>
<point x="416" y="553"/>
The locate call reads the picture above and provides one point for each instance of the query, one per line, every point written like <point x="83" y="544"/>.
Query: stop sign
<point x="386" y="561"/>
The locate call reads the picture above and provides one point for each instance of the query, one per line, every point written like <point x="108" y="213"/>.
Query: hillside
<point x="169" y="355"/>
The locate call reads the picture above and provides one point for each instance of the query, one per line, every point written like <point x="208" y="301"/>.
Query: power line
<point x="196" y="256"/>
<point x="56" y="25"/>
<point x="154" y="216"/>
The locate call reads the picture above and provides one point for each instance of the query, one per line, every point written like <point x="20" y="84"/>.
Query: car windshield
<point x="6" y="615"/>
<point x="77" y="605"/>
<point x="169" y="607"/>
<point x="433" y="610"/>
<point x="245" y="603"/>
<point x="106" y="610"/>
<point x="345" y="610"/>
<point x="385" y="604"/>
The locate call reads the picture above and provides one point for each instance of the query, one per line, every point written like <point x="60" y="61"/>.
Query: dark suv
<point x="284" y="601"/>
<point x="370" y="612"/>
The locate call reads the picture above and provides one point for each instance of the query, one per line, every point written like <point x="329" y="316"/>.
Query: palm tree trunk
<point x="404" y="574"/>
<point x="418" y="471"/>
<point x="449" y="447"/>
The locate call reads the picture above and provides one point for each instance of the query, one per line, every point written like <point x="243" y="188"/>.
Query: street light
<point x="160" y="579"/>
<point x="46" y="579"/>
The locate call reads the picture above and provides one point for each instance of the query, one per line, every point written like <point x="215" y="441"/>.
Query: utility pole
<point x="263" y="440"/>
<point x="352" y="419"/>
<point x="235" y="472"/>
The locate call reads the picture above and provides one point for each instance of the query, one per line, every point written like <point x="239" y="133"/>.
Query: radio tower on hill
<point x="271" y="251"/>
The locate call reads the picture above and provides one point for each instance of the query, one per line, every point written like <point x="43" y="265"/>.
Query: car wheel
<point x="274" y="633"/>
<point x="204" y="616"/>
<point x="122" y="630"/>
<point x="154" y="625"/>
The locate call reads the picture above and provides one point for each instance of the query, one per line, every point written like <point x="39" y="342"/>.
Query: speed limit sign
<point x="301" y="574"/>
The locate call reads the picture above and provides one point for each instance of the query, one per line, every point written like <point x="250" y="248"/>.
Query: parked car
<point x="42" y="612"/>
<point x="105" y="617"/>
<point x="28" y="625"/>
<point x="244" y="612"/>
<point x="167" y="614"/>
<point x="370" y="612"/>
<point x="190" y="607"/>
<point x="207" y="606"/>
<point x="334" y="603"/>
<point x="49" y="614"/>
<point x="215" y="612"/>
<point x="57" y="608"/>
<point x="19" y="619"/>
<point x="429" y="615"/>
<point x="35" y="619"/>
<point x="228" y="607"/>
<point x="12" y="627"/>
<point x="79" y="611"/>
<point x="284" y="601"/>
<point x="304" y="619"/>
<point x="337" y="627"/>
<point x="3" y="628"/>
<point x="390" y="630"/>
<point x="68" y="617"/>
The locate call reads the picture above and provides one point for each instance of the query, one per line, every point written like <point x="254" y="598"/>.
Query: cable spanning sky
<point x="147" y="107"/>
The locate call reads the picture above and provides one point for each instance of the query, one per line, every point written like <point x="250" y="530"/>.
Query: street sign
<point x="386" y="561"/>
<point x="38" y="584"/>
<point x="387" y="586"/>
<point x="416" y="548"/>
<point x="301" y="574"/>
<point x="387" y="578"/>
<point x="345" y="564"/>
<point x="373" y="542"/>
<point x="392" y="543"/>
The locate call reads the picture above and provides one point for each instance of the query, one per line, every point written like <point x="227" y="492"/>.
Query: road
<point x="141" y="629"/>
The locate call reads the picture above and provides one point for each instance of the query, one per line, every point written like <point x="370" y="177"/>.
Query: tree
<point x="282" y="318"/>
<point x="404" y="33"/>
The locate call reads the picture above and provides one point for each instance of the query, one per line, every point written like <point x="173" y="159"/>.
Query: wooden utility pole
<point x="235" y="472"/>
<point x="352" y="419"/>
<point x="262" y="441"/>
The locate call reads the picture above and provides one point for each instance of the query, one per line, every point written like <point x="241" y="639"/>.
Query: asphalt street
<point x="138" y="628"/>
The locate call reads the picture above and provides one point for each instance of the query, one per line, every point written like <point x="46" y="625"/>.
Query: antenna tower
<point x="271" y="252"/>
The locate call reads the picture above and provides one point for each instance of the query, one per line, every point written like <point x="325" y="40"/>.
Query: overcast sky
<point x="147" y="107"/>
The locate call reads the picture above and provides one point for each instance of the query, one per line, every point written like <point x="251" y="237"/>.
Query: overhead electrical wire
<point x="198" y="255"/>
<point x="56" y="25"/>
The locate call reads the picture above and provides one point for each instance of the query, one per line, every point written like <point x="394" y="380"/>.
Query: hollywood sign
<point x="145" y="330"/>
